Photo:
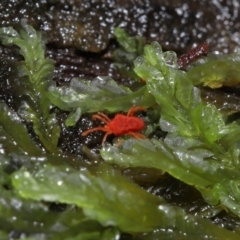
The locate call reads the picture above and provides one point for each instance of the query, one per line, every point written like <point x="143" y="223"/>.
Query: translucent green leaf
<point x="127" y="42"/>
<point x="14" y="135"/>
<point x="34" y="219"/>
<point x="35" y="73"/>
<point x="182" y="111"/>
<point x="102" y="93"/>
<point x="136" y="211"/>
<point x="24" y="215"/>
<point x="97" y="195"/>
<point x="32" y="47"/>
<point x="189" y="166"/>
<point x="162" y="82"/>
<point x="73" y="117"/>
<point x="217" y="70"/>
<point x="229" y="194"/>
<point x="130" y="47"/>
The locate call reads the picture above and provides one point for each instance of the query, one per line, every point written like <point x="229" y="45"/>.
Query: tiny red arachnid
<point x="120" y="124"/>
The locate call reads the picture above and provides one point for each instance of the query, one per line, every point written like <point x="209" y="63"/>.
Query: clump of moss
<point x="35" y="77"/>
<point x="97" y="201"/>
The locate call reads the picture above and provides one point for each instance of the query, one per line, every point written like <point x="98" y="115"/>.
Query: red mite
<point x="120" y="124"/>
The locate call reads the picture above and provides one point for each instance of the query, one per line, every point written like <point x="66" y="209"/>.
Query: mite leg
<point x="102" y="117"/>
<point x="105" y="137"/>
<point x="103" y="129"/>
<point x="136" y="135"/>
<point x="134" y="109"/>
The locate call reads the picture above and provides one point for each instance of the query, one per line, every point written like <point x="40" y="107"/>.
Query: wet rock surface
<point x="88" y="25"/>
<point x="80" y="33"/>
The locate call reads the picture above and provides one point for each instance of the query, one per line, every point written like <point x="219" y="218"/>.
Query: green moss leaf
<point x="228" y="192"/>
<point x="26" y="215"/>
<point x="187" y="165"/>
<point x="73" y="117"/>
<point x="196" y="150"/>
<point x="130" y="48"/>
<point x="14" y="135"/>
<point x="98" y="195"/>
<point x="127" y="42"/>
<point x="35" y="73"/>
<point x="216" y="71"/>
<point x="35" y="220"/>
<point x="182" y="111"/>
<point x="102" y="93"/>
<point x="32" y="46"/>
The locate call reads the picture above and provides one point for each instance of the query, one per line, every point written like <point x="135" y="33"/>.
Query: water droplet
<point x="59" y="183"/>
<point x="27" y="174"/>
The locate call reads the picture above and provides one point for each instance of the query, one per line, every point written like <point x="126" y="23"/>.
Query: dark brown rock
<point x="88" y="25"/>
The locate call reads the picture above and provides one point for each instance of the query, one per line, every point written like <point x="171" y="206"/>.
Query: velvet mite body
<point x="120" y="124"/>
